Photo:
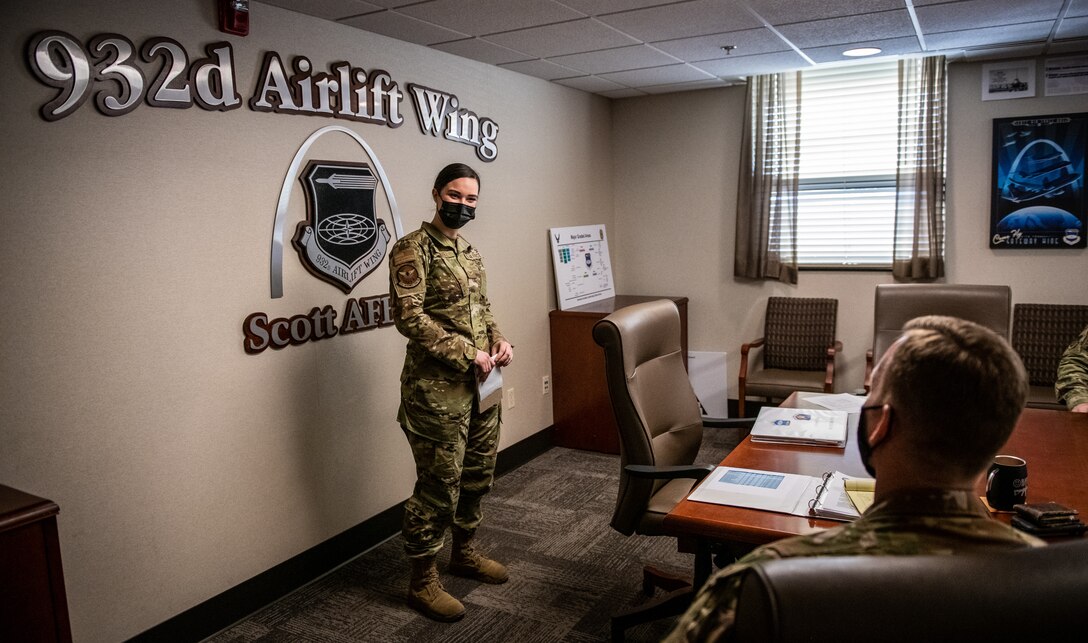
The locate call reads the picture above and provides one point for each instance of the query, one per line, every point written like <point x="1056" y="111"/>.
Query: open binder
<point x="799" y="495"/>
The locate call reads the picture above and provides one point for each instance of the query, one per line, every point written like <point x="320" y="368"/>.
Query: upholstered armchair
<point x="796" y="352"/>
<point x="1040" y="334"/>
<point x="897" y="304"/>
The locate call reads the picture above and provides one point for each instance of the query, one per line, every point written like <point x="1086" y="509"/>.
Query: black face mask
<point x="864" y="448"/>
<point x="456" y="215"/>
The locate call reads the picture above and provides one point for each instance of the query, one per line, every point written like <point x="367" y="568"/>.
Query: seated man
<point x="945" y="398"/>
<point x="1072" y="383"/>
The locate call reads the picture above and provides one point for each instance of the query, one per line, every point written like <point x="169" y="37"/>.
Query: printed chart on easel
<point x="583" y="273"/>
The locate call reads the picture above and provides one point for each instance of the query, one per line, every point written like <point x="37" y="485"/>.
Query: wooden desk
<point x="33" y="605"/>
<point x="1054" y="443"/>
<point x="581" y="411"/>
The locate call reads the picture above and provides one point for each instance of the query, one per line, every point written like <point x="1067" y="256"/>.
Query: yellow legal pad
<point x="860" y="491"/>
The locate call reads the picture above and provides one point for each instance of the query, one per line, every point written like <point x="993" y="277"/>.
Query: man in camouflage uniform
<point x="439" y="296"/>
<point x="945" y="398"/>
<point x="1072" y="383"/>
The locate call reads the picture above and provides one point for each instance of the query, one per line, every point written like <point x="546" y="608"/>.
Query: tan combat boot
<point x="427" y="596"/>
<point x="466" y="561"/>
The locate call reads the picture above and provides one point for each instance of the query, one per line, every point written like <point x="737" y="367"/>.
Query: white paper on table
<point x="767" y="490"/>
<point x="489" y="391"/>
<point x="837" y="402"/>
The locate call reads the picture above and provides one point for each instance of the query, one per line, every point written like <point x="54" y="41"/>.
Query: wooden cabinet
<point x="581" y="409"/>
<point x="33" y="604"/>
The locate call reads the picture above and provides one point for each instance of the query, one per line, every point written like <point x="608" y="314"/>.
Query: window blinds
<point x="847" y="167"/>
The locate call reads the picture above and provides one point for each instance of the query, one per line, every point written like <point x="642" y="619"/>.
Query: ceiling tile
<point x="479" y="17"/>
<point x="681" y="20"/>
<point x="989" y="36"/>
<point x="565" y="38"/>
<point x="388" y="4"/>
<point x="481" y="50"/>
<point x="747" y="43"/>
<point x="327" y="9"/>
<point x="779" y="12"/>
<point x="639" y="42"/>
<point x="657" y="75"/>
<point x="752" y="65"/>
<point x="599" y="7"/>
<point x="874" y="26"/>
<point x="542" y="69"/>
<point x="1072" y="28"/>
<point x="888" y="47"/>
<point x="589" y="83"/>
<point x="972" y="14"/>
<point x="401" y="27"/>
<point x="619" y="59"/>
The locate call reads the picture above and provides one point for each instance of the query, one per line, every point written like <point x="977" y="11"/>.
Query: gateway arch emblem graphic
<point x="342" y="240"/>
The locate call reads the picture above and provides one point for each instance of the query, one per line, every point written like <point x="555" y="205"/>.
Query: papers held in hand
<point x="823" y="496"/>
<point x="489" y="390"/>
<point x="809" y="427"/>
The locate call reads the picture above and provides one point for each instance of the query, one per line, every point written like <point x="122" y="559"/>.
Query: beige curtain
<point x="918" y="253"/>
<point x="766" y="243"/>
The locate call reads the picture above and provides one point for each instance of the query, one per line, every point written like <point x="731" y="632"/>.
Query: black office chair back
<point x="1023" y="595"/>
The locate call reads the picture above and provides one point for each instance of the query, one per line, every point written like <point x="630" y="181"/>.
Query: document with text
<point x="799" y="495"/>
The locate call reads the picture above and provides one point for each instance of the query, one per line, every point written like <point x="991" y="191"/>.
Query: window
<point x="843" y="167"/>
<point x="846" y="194"/>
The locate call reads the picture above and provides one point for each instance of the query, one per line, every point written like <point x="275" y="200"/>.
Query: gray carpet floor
<point x="548" y="521"/>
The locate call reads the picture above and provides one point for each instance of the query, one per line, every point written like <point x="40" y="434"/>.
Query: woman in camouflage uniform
<point x="439" y="296"/>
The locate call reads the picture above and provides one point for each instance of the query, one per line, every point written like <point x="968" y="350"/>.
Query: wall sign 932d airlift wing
<point x="341" y="241"/>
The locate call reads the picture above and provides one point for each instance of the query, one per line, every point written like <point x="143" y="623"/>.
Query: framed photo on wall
<point x="1011" y="79"/>
<point x="1038" y="197"/>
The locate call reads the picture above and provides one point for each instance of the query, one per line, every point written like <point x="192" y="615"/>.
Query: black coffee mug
<point x="1007" y="482"/>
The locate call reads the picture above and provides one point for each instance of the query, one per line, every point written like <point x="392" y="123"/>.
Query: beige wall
<point x="134" y="248"/>
<point x="137" y="245"/>
<point x="676" y="163"/>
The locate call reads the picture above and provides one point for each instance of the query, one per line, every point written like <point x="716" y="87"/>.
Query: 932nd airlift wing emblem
<point x="341" y="241"/>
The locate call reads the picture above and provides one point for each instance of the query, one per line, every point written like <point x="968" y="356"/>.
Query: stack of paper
<point x="810" y="427"/>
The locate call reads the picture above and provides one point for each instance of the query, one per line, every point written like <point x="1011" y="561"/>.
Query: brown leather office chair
<point x="1040" y="334"/>
<point x="660" y="433"/>
<point x="896" y="304"/>
<point x="797" y="350"/>
<point x="1035" y="594"/>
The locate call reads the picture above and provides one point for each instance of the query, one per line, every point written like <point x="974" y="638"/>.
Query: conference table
<point x="1054" y="443"/>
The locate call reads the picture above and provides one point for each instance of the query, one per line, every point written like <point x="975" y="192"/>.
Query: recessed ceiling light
<point x="861" y="52"/>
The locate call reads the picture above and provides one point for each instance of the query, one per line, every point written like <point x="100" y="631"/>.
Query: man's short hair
<point x="960" y="386"/>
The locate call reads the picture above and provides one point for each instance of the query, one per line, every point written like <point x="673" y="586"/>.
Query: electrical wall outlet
<point x="546" y="385"/>
<point x="510" y="398"/>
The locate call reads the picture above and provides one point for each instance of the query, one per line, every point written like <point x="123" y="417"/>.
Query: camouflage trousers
<point x="451" y="476"/>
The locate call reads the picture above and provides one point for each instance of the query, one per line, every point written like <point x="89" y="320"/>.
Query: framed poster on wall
<point x="583" y="272"/>
<point x="1038" y="197"/>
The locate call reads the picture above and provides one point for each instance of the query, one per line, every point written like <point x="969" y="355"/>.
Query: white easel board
<point x="583" y="272"/>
